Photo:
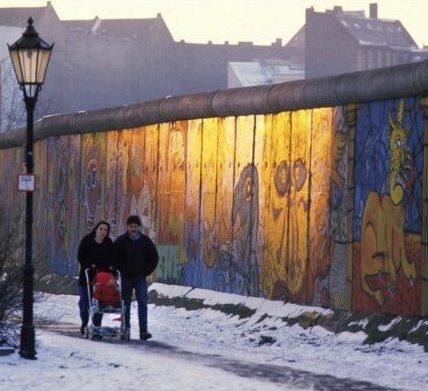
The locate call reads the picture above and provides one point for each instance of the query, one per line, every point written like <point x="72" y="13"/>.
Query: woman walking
<point x="96" y="253"/>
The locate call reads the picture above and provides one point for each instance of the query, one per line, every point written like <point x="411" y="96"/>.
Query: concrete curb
<point x="5" y="351"/>
<point x="377" y="327"/>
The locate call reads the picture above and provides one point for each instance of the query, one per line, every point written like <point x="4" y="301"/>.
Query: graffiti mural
<point x="144" y="179"/>
<point x="63" y="174"/>
<point x="226" y="257"/>
<point x="117" y="191"/>
<point x="321" y="234"/>
<point x="212" y="267"/>
<point x="274" y="204"/>
<point x="39" y="197"/>
<point x="235" y="265"/>
<point x="388" y="207"/>
<point x="209" y="226"/>
<point x="171" y="191"/>
<point x="336" y="229"/>
<point x="191" y="274"/>
<point x="67" y="201"/>
<point x="111" y="190"/>
<point x="92" y="180"/>
<point x="136" y="194"/>
<point x="321" y="206"/>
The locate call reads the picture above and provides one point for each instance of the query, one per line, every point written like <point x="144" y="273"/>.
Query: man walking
<point x="137" y="258"/>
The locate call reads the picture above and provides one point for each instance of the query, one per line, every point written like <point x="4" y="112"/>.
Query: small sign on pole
<point x="26" y="182"/>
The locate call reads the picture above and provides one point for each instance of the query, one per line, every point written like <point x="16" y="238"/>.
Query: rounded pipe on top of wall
<point x="382" y="83"/>
<point x="132" y="115"/>
<point x="12" y="139"/>
<point x="53" y="125"/>
<point x="185" y="107"/>
<point x="114" y="118"/>
<point x="240" y="101"/>
<point x="363" y="86"/>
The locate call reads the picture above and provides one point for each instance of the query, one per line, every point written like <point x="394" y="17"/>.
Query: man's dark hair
<point x="133" y="220"/>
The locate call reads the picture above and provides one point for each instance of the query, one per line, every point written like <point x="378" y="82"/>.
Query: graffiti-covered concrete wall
<point x="322" y="204"/>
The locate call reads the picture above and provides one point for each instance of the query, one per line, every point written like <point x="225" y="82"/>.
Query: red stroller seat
<point x="106" y="289"/>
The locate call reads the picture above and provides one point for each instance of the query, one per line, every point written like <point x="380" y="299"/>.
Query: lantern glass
<point x="30" y="65"/>
<point x="14" y="56"/>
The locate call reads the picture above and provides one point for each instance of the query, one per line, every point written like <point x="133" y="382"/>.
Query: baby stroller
<point x="105" y="298"/>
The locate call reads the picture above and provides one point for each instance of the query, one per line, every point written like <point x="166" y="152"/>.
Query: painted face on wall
<point x="92" y="192"/>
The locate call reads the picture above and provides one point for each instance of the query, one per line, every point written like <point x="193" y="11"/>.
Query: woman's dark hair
<point x="101" y="222"/>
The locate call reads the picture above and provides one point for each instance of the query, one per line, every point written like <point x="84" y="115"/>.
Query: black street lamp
<point x="30" y="58"/>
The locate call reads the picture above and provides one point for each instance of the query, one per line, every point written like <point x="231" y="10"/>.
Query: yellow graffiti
<point x="208" y="192"/>
<point x="285" y="203"/>
<point x="296" y="261"/>
<point x="327" y="152"/>
<point x="382" y="231"/>
<point x="176" y="164"/>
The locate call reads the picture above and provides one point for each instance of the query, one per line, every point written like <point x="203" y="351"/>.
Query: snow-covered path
<point x="66" y="364"/>
<point x="208" y="350"/>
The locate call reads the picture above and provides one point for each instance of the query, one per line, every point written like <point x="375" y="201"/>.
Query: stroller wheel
<point x="92" y="334"/>
<point x="125" y="335"/>
<point x="125" y="338"/>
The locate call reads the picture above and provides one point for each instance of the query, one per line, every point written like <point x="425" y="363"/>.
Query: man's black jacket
<point x="135" y="258"/>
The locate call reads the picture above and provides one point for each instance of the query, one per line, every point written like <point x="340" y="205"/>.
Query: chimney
<point x="373" y="11"/>
<point x="278" y="42"/>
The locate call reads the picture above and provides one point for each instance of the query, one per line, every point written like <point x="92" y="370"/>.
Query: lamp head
<point x="30" y="56"/>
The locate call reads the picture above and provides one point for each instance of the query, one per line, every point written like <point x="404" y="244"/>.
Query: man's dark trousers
<point x="140" y="286"/>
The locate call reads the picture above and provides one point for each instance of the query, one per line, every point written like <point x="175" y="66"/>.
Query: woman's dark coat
<point x="92" y="253"/>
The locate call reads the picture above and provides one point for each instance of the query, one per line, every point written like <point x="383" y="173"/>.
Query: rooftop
<point x="266" y="72"/>
<point x="123" y="28"/>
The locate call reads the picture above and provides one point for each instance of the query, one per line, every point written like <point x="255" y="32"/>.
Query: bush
<point x="10" y="288"/>
<point x="10" y="277"/>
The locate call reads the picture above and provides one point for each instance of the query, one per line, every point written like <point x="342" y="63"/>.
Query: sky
<point x="206" y="349"/>
<point x="259" y="21"/>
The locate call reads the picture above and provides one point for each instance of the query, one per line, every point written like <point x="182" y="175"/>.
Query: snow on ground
<point x="67" y="363"/>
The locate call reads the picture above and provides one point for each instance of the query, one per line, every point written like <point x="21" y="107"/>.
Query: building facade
<point x="104" y="63"/>
<point x="338" y="41"/>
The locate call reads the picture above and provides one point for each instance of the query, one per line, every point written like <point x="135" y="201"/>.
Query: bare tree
<point x="12" y="107"/>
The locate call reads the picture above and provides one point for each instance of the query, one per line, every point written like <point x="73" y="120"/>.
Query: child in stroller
<point x="105" y="298"/>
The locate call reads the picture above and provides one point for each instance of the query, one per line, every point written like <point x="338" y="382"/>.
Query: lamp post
<point x="30" y="58"/>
